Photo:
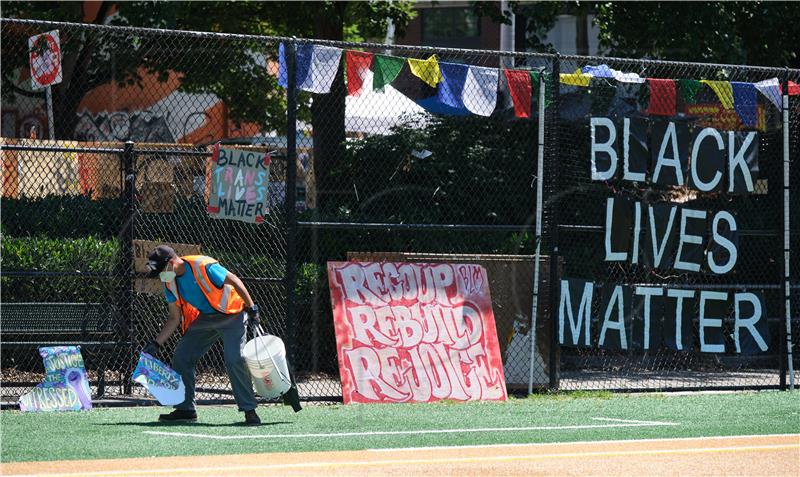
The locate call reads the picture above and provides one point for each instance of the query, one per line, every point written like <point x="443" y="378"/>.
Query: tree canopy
<point x="750" y="33"/>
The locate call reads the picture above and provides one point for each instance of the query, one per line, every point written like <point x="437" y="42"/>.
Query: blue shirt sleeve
<point x="217" y="274"/>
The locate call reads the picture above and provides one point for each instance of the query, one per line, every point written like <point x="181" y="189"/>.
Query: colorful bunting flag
<point x="322" y="71"/>
<point x="519" y="85"/>
<point x="302" y="64"/>
<point x="577" y="78"/>
<point x="358" y="65"/>
<point x="662" y="97"/>
<point x="689" y="88"/>
<point x="794" y="88"/>
<point x="723" y="91"/>
<point x="480" y="90"/>
<point x="627" y="77"/>
<point x="771" y="89"/>
<point x="426" y="70"/>
<point x="451" y="88"/>
<point x="385" y="70"/>
<point x="316" y="67"/>
<point x="602" y="71"/>
<point x="535" y="87"/>
<point x="411" y="85"/>
<point x="745" y="102"/>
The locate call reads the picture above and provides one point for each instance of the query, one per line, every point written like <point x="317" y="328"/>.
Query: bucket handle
<point x="259" y="332"/>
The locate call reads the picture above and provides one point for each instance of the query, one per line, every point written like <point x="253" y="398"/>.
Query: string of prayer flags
<point x="458" y="89"/>
<point x="519" y="86"/>
<point x="385" y="69"/>
<point x="662" y="97"/>
<point x="745" y="102"/>
<point x="689" y="88"/>
<point x="426" y="70"/>
<point x="358" y="64"/>
<point x="480" y="90"/>
<point x="316" y="67"/>
<point x="723" y="90"/>
<point x="771" y="89"/>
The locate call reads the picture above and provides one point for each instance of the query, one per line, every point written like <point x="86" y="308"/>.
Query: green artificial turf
<point x="125" y="432"/>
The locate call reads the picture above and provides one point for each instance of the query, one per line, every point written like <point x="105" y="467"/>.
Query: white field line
<point x="616" y="423"/>
<point x="403" y="462"/>
<point x="573" y="443"/>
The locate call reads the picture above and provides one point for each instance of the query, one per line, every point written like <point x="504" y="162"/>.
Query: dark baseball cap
<point x="158" y="258"/>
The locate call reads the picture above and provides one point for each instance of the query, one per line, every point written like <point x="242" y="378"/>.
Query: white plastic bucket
<point x="266" y="359"/>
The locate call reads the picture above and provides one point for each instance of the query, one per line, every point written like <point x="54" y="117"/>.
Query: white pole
<point x="507" y="33"/>
<point x="787" y="291"/>
<point x="536" y="255"/>
<point x="50" y="126"/>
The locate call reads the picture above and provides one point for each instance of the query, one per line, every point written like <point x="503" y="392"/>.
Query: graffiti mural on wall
<point x="142" y="126"/>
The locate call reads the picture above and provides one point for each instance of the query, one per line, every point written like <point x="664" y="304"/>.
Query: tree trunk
<point x="68" y="95"/>
<point x="581" y="33"/>
<point x="327" y="110"/>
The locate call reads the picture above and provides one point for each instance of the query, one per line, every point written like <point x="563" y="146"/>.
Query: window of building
<point x="456" y="27"/>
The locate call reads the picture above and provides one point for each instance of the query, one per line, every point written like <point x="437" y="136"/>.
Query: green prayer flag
<point x="689" y="88"/>
<point x="535" y="88"/>
<point x="385" y="69"/>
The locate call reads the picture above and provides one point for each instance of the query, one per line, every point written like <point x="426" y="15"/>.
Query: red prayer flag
<point x="662" y="97"/>
<point x="358" y="63"/>
<point x="519" y="85"/>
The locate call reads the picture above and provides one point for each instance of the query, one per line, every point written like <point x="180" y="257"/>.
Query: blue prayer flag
<point x="744" y="102"/>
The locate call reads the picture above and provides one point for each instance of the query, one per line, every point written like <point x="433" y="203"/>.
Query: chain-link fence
<point x="397" y="157"/>
<point x="710" y="223"/>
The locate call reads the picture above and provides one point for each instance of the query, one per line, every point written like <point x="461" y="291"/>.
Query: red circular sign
<point x="45" y="60"/>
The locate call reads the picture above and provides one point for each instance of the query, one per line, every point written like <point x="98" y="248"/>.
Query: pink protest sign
<point x="415" y="332"/>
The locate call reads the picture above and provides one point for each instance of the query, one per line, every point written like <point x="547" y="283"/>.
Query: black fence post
<point x="126" y="255"/>
<point x="553" y="201"/>
<point x="291" y="195"/>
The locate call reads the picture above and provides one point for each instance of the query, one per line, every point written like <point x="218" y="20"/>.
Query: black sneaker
<point x="179" y="415"/>
<point x="251" y="418"/>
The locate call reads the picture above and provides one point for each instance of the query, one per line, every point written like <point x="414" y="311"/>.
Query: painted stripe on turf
<point x="442" y="460"/>
<point x="572" y="443"/>
<point x="617" y="423"/>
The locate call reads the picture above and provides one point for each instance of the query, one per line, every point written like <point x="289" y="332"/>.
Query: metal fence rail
<point x="373" y="176"/>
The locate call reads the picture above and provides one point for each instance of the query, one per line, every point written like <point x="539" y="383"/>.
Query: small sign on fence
<point x="415" y="332"/>
<point x="239" y="185"/>
<point x="45" y="59"/>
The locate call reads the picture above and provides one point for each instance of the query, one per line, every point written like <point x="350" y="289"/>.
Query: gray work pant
<point x="201" y="335"/>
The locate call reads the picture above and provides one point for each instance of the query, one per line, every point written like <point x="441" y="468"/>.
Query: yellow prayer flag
<point x="426" y="70"/>
<point x="577" y="78"/>
<point x="723" y="90"/>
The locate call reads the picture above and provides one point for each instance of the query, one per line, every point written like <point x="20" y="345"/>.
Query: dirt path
<point x="753" y="455"/>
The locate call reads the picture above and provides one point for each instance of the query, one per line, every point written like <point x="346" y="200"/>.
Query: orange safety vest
<point x="225" y="300"/>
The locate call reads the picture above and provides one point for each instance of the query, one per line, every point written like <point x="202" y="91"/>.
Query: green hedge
<point x="41" y="254"/>
<point x="59" y="216"/>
